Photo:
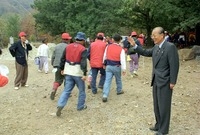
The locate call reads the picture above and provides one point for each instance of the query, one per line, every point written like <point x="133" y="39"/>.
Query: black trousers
<point x="162" y="98"/>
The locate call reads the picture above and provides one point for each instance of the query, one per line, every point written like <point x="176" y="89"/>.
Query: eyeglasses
<point x="156" y="35"/>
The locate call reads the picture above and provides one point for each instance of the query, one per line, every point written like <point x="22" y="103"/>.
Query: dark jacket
<point x="19" y="52"/>
<point x="57" y="54"/>
<point x="128" y="46"/>
<point x="165" y="63"/>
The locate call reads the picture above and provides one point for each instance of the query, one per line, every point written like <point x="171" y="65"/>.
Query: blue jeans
<point x="110" y="72"/>
<point x="70" y="82"/>
<point x="94" y="77"/>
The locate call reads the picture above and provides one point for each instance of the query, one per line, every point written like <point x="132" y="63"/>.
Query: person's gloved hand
<point x="54" y="70"/>
<point x="4" y="71"/>
<point x="26" y="41"/>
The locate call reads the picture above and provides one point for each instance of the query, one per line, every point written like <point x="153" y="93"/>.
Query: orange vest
<point x="97" y="49"/>
<point x="113" y="54"/>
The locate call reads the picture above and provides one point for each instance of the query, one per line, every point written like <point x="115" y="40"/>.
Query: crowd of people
<point x="181" y="39"/>
<point x="107" y="57"/>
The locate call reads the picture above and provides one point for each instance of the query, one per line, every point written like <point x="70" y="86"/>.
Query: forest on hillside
<point x="15" y="6"/>
<point x="39" y="18"/>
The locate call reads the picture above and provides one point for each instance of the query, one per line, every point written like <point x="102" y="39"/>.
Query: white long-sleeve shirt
<point x="43" y="50"/>
<point x="122" y="58"/>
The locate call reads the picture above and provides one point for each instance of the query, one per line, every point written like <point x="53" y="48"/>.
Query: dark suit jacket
<point x="18" y="51"/>
<point x="165" y="63"/>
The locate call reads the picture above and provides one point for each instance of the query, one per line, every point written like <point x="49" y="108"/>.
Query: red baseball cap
<point x="66" y="36"/>
<point x="22" y="34"/>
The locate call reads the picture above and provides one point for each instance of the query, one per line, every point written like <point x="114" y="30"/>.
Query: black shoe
<point x="52" y="96"/>
<point x="121" y="92"/>
<point x="153" y="129"/>
<point x="94" y="92"/>
<point x="58" y="113"/>
<point x="89" y="87"/>
<point x="100" y="87"/>
<point x="159" y="133"/>
<point x="83" y="108"/>
<point x="104" y="99"/>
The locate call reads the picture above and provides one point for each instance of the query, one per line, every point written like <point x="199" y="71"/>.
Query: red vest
<point x="97" y="49"/>
<point x="73" y="52"/>
<point x="113" y="52"/>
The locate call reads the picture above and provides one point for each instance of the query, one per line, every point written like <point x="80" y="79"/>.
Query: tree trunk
<point x="149" y="40"/>
<point x="198" y="34"/>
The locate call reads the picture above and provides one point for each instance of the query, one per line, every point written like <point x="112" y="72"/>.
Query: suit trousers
<point x="21" y="74"/>
<point x="162" y="98"/>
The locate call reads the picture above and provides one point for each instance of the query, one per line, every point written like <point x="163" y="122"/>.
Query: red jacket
<point x="97" y="49"/>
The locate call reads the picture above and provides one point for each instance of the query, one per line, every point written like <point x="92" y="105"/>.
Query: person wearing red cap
<point x="134" y="57"/>
<point x="95" y="56"/>
<point x="20" y="50"/>
<point x="141" y="39"/>
<point x="55" y="62"/>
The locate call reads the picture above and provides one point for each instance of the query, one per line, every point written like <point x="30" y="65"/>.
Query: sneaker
<point x="104" y="99"/>
<point x="121" y="92"/>
<point x="16" y="88"/>
<point x="26" y="85"/>
<point x="94" y="92"/>
<point x="39" y="70"/>
<point x="83" y="108"/>
<point x="135" y="73"/>
<point x="58" y="113"/>
<point x="52" y="96"/>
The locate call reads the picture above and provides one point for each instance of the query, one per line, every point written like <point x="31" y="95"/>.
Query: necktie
<point x="158" y="51"/>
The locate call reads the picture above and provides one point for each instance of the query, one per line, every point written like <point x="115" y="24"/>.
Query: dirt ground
<point x="29" y="111"/>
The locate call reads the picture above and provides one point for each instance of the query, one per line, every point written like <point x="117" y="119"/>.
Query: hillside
<point x="15" y="6"/>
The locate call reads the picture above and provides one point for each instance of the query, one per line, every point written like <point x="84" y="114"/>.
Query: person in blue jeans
<point x="95" y="56"/>
<point x="74" y="66"/>
<point x="115" y="63"/>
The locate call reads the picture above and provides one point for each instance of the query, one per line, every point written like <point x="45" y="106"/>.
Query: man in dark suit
<point x="164" y="76"/>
